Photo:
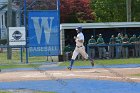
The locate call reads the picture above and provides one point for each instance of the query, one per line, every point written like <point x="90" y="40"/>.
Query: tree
<point x="73" y="11"/>
<point x="39" y="4"/>
<point x="114" y="10"/>
<point x="136" y="10"/>
<point x="109" y="10"/>
<point x="44" y="5"/>
<point x="70" y="10"/>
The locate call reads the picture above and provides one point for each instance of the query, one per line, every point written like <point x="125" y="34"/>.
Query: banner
<point x="44" y="33"/>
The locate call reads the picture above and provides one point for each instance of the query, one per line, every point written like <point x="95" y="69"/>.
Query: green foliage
<point x="105" y="62"/>
<point x="109" y="10"/>
<point x="74" y="11"/>
<point x="114" y="10"/>
<point x="136" y="10"/>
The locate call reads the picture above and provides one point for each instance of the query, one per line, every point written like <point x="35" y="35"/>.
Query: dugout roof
<point x="99" y="25"/>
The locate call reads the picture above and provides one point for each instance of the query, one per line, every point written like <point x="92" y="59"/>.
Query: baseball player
<point x="79" y="39"/>
<point x="138" y="41"/>
<point x="118" y="48"/>
<point x="133" y="40"/>
<point x="92" y="41"/>
<point x="125" y="41"/>
<point x="102" y="50"/>
<point x="112" y="48"/>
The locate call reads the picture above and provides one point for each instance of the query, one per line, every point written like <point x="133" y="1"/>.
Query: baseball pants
<point x="81" y="50"/>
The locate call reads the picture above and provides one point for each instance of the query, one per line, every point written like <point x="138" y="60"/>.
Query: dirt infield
<point x="115" y="74"/>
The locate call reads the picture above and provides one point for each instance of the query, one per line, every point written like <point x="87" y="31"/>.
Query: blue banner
<point x="44" y="33"/>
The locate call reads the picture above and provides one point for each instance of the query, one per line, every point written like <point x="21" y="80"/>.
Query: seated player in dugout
<point x="93" y="42"/>
<point x="80" y="48"/>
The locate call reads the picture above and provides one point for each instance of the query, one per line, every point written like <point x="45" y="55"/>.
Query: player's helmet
<point x="79" y="29"/>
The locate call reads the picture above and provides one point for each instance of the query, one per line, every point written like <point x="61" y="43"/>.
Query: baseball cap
<point x="100" y="34"/>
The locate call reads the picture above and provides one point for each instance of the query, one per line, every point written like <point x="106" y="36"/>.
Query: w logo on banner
<point x="43" y="26"/>
<point x="44" y="33"/>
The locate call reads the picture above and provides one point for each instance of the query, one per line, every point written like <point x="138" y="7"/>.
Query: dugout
<point x="107" y="29"/>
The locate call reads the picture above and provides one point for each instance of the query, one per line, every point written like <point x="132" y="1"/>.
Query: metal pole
<point x="21" y="52"/>
<point x="0" y="25"/>
<point x="25" y="24"/>
<point x="61" y="32"/>
<point x="9" y="24"/>
<point x="128" y="7"/>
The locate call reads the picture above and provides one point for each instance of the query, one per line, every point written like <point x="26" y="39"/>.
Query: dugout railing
<point x="133" y="49"/>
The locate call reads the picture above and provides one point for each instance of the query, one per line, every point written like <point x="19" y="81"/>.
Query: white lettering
<point x="45" y="25"/>
<point x="42" y="49"/>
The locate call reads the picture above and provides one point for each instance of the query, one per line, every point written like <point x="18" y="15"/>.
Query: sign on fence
<point x="17" y="36"/>
<point x="44" y="33"/>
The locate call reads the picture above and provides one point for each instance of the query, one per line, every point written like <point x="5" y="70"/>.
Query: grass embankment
<point x="8" y="66"/>
<point x="15" y="62"/>
<point x="105" y="62"/>
<point x="17" y="59"/>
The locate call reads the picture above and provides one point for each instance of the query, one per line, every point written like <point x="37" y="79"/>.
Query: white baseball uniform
<point x="80" y="48"/>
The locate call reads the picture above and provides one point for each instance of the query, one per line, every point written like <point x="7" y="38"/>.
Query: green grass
<point x="105" y="62"/>
<point x="8" y="66"/>
<point x="136" y="75"/>
<point x="5" y="92"/>
<point x="15" y="62"/>
<point x="16" y="58"/>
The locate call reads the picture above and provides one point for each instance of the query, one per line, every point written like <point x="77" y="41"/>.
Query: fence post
<point x="9" y="24"/>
